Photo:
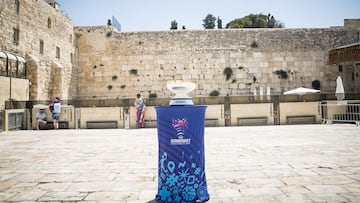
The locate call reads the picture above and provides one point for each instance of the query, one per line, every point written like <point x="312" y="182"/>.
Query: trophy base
<point x="181" y="102"/>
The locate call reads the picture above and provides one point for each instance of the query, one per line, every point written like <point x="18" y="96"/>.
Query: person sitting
<point x="40" y="119"/>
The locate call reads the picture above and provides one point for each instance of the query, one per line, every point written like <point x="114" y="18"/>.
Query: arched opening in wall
<point x="340" y="68"/>
<point x="11" y="68"/>
<point x="49" y="23"/>
<point x="32" y="72"/>
<point x="348" y="77"/>
<point x="20" y="69"/>
<point x="2" y="66"/>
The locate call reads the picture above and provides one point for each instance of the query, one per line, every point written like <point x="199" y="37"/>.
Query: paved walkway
<point x="303" y="163"/>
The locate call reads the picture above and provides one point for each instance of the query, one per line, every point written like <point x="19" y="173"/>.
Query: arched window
<point x="49" y="22"/>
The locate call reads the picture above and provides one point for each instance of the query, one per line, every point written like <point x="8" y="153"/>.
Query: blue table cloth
<point x="181" y="172"/>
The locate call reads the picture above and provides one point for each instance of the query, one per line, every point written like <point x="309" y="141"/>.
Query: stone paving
<point x="298" y="163"/>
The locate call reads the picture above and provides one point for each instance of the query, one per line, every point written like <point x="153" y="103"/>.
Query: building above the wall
<point x="53" y="3"/>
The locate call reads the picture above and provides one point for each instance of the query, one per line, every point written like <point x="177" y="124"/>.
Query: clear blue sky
<point x="156" y="15"/>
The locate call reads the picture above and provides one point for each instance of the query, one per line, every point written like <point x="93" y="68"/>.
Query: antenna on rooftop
<point x="116" y="24"/>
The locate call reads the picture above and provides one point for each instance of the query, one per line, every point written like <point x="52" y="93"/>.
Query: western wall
<point x="120" y="64"/>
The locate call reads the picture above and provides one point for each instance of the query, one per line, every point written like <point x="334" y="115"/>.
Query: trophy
<point x="181" y="89"/>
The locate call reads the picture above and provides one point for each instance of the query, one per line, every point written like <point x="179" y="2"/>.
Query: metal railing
<point x="341" y="111"/>
<point x="15" y="121"/>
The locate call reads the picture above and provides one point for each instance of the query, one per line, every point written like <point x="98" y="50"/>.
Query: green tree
<point x="255" y="21"/>
<point x="273" y="23"/>
<point x="209" y="22"/>
<point x="174" y="25"/>
<point x="219" y="23"/>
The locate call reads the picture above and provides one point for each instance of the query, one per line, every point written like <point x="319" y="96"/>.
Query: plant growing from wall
<point x="254" y="79"/>
<point x="254" y="45"/>
<point x="108" y="34"/>
<point x="152" y="95"/>
<point x="214" y="93"/>
<point x="122" y="86"/>
<point x="134" y="71"/>
<point x="316" y="84"/>
<point x="109" y="87"/>
<point x="281" y="74"/>
<point x="114" y="77"/>
<point x="228" y="72"/>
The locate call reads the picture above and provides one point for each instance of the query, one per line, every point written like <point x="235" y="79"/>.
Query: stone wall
<point x="352" y="24"/>
<point x="107" y="65"/>
<point x="37" y="21"/>
<point x="19" y="90"/>
<point x="118" y="65"/>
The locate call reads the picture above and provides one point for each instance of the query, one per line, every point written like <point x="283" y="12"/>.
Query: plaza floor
<point x="297" y="163"/>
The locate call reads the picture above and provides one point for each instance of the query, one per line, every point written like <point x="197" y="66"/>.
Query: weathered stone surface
<point x="121" y="165"/>
<point x="201" y="56"/>
<point x="63" y="196"/>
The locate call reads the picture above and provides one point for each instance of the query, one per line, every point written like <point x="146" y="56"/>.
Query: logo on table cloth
<point x="180" y="125"/>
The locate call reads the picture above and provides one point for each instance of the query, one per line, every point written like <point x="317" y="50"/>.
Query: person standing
<point x="140" y="111"/>
<point x="40" y="119"/>
<point x="55" y="108"/>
